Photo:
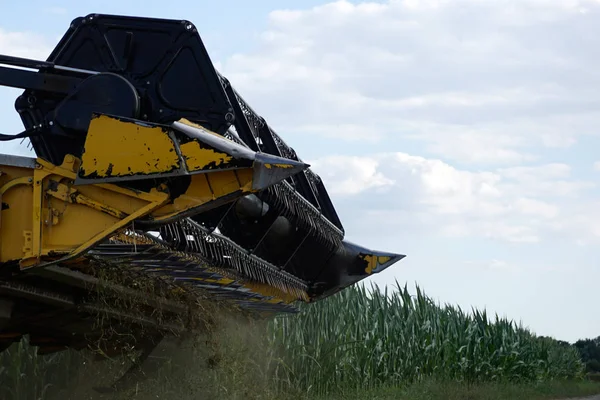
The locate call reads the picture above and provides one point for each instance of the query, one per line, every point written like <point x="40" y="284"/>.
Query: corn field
<point x="368" y="339"/>
<point x="355" y="339"/>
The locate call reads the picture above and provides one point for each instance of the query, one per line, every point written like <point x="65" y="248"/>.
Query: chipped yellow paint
<point x="373" y="262"/>
<point x="278" y="166"/>
<point x="197" y="158"/>
<point x="15" y="188"/>
<point x="120" y="148"/>
<point x="48" y="212"/>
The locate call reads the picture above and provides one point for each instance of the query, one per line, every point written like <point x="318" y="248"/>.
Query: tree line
<point x="589" y="349"/>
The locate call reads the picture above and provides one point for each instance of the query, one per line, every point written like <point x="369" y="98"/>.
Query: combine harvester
<point x="150" y="162"/>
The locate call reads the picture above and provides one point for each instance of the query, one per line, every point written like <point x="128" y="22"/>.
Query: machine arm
<point x="41" y="80"/>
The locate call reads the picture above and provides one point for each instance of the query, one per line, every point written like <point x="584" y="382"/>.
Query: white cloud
<point x="24" y="44"/>
<point x="518" y="204"/>
<point x="536" y="208"/>
<point x="478" y="82"/>
<point x="363" y="176"/>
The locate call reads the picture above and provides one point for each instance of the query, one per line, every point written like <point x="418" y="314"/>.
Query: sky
<point x="460" y="133"/>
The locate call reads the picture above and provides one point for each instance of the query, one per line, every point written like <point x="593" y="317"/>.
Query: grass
<point x="431" y="390"/>
<point x="354" y="345"/>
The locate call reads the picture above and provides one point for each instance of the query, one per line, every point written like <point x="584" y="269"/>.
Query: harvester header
<point x="149" y="160"/>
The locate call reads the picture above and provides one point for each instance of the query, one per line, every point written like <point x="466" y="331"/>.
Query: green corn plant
<point x="366" y="339"/>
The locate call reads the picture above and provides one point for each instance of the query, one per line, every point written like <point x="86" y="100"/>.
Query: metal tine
<point x="194" y="247"/>
<point x="169" y="228"/>
<point x="232" y="257"/>
<point x="177" y="234"/>
<point x="201" y="243"/>
<point x="264" y="276"/>
<point x="236" y="261"/>
<point x="244" y="260"/>
<point x="208" y="244"/>
<point x="258" y="272"/>
<point x="181" y="239"/>
<point x="267" y="277"/>
<point x="188" y="243"/>
<point x="285" y="200"/>
<point x="279" y="195"/>
<point x="169" y="232"/>
<point x="183" y="231"/>
<point x="313" y="225"/>
<point x="245" y="269"/>
<point x="217" y="254"/>
<point x="191" y="234"/>
<point x="252" y="270"/>
<point x="278" y="283"/>
<point x="221" y="251"/>
<point x="209" y="247"/>
<point x="197" y="240"/>
<point x="249" y="269"/>
<point x="230" y="254"/>
<point x="240" y="260"/>
<point x="182" y="236"/>
<point x="297" y="209"/>
<point x="283" y="285"/>
<point x="214" y="251"/>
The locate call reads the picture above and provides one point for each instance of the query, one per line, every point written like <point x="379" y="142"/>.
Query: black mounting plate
<point x="165" y="61"/>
